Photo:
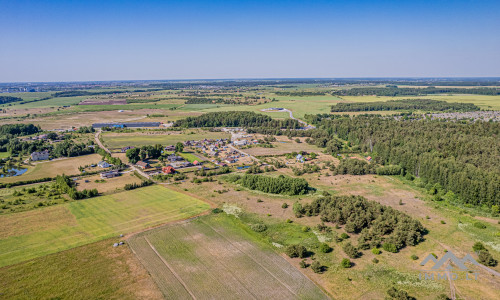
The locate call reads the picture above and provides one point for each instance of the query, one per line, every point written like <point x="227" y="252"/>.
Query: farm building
<point x="170" y="148"/>
<point x="196" y="162"/>
<point x="42" y="155"/>
<point x="168" y="170"/>
<point x="240" y="143"/>
<point x="103" y="164"/>
<point x="123" y="125"/>
<point x="142" y="164"/>
<point x="124" y="149"/>
<point x="110" y="174"/>
<point x="369" y="158"/>
<point x="174" y="157"/>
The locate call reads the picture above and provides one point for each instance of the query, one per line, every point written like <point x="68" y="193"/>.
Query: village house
<point x="168" y="170"/>
<point x="142" y="164"/>
<point x="173" y="158"/>
<point x="170" y="148"/>
<point x="42" y="155"/>
<point x="103" y="164"/>
<point x="240" y="143"/>
<point x="124" y="149"/>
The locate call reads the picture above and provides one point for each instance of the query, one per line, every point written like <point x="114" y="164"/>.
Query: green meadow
<point x="36" y="233"/>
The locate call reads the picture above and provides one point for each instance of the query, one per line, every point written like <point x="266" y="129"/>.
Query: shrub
<point x="303" y="264"/>
<point x="325" y="248"/>
<point x="217" y="210"/>
<point x="344" y="236"/>
<point x="317" y="267"/>
<point x="284" y="205"/>
<point x="394" y="293"/>
<point x="296" y="251"/>
<point x="375" y="261"/>
<point x="486" y="259"/>
<point x="376" y="251"/>
<point x="478" y="246"/>
<point x="414" y="257"/>
<point x="305" y="228"/>
<point x="390" y="247"/>
<point x="258" y="227"/>
<point x="351" y="251"/>
<point x="479" y="225"/>
<point x="345" y="263"/>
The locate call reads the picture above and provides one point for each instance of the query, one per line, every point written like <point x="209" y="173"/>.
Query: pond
<point x="13" y="172"/>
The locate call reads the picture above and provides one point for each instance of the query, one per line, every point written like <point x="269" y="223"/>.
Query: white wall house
<point x="42" y="155"/>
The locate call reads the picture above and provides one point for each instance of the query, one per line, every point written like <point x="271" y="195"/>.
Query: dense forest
<point x="406" y="104"/>
<point x="274" y="185"/>
<point x="9" y="99"/>
<point x="393" y="91"/>
<point x="236" y="119"/>
<point x="377" y="224"/>
<point x="452" y="158"/>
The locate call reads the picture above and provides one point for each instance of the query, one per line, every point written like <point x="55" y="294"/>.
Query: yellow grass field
<point x="68" y="166"/>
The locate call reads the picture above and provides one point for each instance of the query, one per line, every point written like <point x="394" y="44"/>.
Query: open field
<point x="367" y="280"/>
<point x="281" y="146"/>
<point x="110" y="185"/>
<point x="68" y="166"/>
<point x="119" y="140"/>
<point x="213" y="258"/>
<point x="36" y="233"/>
<point x="483" y="101"/>
<point x="94" y="271"/>
<point x="298" y="105"/>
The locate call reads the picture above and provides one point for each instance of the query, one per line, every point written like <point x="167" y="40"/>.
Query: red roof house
<point x="168" y="170"/>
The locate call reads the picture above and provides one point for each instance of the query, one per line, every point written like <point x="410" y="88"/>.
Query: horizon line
<point x="264" y="79"/>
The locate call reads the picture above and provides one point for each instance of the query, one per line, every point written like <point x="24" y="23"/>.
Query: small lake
<point x="13" y="172"/>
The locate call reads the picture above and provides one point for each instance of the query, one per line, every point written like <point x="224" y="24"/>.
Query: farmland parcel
<point x="40" y="232"/>
<point x="213" y="258"/>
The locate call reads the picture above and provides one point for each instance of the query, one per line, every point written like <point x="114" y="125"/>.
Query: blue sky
<point x="124" y="40"/>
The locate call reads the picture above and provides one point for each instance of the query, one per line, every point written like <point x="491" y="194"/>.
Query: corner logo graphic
<point x="460" y="263"/>
<point x="443" y="268"/>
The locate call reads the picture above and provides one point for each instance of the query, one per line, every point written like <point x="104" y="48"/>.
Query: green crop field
<point x="214" y="257"/>
<point x="115" y="141"/>
<point x="36" y="233"/>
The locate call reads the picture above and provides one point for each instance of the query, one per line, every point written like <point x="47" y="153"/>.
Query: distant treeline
<point x="405" y="104"/>
<point x="274" y="185"/>
<point x="9" y="99"/>
<point x="236" y="119"/>
<point x="12" y="130"/>
<point x="395" y="91"/>
<point x="84" y="93"/>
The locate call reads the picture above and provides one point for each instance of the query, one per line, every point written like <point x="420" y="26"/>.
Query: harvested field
<point x="94" y="271"/>
<point x="36" y="233"/>
<point x="214" y="258"/>
<point x="103" y="102"/>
